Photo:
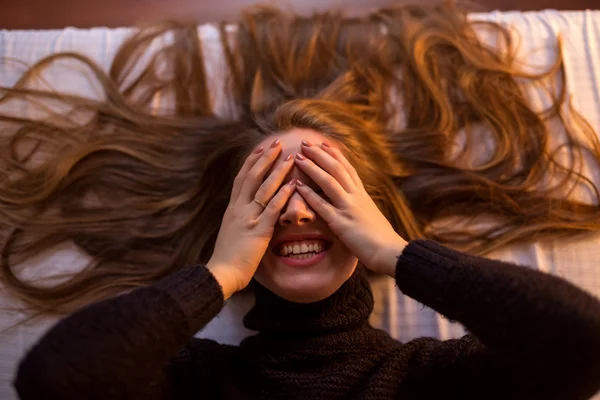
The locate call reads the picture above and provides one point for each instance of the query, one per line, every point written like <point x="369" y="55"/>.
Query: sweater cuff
<point x="424" y="270"/>
<point x="197" y="292"/>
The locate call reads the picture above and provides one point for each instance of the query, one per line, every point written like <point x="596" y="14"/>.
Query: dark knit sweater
<point x="532" y="336"/>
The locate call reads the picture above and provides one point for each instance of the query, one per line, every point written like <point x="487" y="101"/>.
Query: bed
<point x="576" y="260"/>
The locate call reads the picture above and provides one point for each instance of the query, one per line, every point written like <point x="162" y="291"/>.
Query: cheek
<point x="261" y="273"/>
<point x="344" y="262"/>
<point x="343" y="259"/>
<point x="266" y="266"/>
<point x="341" y="251"/>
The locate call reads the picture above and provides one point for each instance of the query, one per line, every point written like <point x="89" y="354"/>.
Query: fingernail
<point x="293" y="181"/>
<point x="305" y="143"/>
<point x="299" y="183"/>
<point x="275" y="143"/>
<point x="289" y="157"/>
<point x="258" y="150"/>
<point x="299" y="156"/>
<point x="324" y="144"/>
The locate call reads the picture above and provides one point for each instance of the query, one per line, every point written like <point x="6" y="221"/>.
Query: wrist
<point x="224" y="277"/>
<point x="391" y="256"/>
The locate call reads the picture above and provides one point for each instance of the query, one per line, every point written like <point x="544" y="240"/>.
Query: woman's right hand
<point x="247" y="227"/>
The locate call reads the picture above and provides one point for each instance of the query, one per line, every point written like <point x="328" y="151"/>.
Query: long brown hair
<point x="143" y="192"/>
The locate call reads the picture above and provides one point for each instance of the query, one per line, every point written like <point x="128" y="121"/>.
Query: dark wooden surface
<point x="44" y="14"/>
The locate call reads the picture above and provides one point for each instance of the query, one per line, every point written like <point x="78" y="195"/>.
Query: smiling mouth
<point x="304" y="258"/>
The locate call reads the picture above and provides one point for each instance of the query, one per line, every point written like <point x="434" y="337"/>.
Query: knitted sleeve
<point x="120" y="348"/>
<point x="532" y="335"/>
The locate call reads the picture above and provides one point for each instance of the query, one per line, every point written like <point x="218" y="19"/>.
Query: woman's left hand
<point x="351" y="215"/>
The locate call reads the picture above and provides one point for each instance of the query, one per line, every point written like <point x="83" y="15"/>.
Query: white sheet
<point x="405" y="319"/>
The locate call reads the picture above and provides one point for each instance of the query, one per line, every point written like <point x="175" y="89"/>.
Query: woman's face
<point x="288" y="276"/>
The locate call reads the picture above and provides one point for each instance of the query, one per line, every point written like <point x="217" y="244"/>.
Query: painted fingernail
<point x="299" y="183"/>
<point x="258" y="150"/>
<point x="292" y="182"/>
<point x="324" y="144"/>
<point x="275" y="143"/>
<point x="305" y="143"/>
<point x="289" y="157"/>
<point x="299" y="156"/>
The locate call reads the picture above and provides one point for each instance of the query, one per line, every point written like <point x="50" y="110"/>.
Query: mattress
<point x="405" y="319"/>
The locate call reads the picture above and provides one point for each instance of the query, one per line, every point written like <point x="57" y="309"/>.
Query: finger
<point x="328" y="183"/>
<point x="316" y="202"/>
<point x="338" y="155"/>
<point x="273" y="209"/>
<point x="329" y="164"/>
<point x="270" y="186"/>
<point x="241" y="176"/>
<point x="256" y="174"/>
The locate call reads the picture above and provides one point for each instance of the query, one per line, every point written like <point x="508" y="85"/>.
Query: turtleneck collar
<point x="345" y="310"/>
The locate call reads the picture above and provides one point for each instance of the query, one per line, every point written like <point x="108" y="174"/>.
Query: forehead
<point x="291" y="141"/>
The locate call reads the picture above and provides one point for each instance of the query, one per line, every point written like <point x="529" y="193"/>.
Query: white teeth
<point x="301" y="256"/>
<point x="302" y="248"/>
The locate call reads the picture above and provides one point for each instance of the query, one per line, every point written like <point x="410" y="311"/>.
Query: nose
<point x="297" y="212"/>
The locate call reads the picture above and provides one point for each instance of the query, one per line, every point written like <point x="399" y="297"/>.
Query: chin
<point x="299" y="290"/>
<point x="304" y="296"/>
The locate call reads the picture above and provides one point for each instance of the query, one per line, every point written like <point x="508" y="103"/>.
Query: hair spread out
<point x="143" y="190"/>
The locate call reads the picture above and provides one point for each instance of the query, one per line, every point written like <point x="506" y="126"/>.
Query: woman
<point x="534" y="336"/>
<point x="142" y="192"/>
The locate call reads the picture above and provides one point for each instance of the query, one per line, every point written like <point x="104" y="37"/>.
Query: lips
<point x="304" y="263"/>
